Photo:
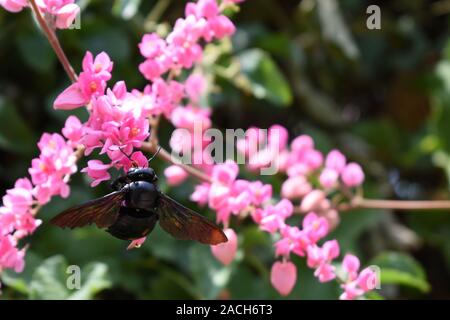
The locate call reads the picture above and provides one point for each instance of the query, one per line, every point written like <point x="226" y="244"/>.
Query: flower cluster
<point x="356" y="283"/>
<point x="303" y="164"/>
<point x="181" y="48"/>
<point x="61" y="13"/>
<point x="50" y="173"/>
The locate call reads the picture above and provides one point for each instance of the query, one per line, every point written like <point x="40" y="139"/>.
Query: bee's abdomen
<point x="133" y="224"/>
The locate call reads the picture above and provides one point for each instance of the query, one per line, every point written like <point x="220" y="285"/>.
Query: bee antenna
<point x="154" y="156"/>
<point x="128" y="157"/>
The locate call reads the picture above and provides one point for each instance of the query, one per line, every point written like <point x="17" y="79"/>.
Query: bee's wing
<point x="102" y="211"/>
<point x="185" y="224"/>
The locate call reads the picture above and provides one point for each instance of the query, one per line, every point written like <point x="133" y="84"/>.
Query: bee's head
<point x="142" y="174"/>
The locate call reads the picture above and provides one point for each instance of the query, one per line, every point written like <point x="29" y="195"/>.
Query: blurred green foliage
<point x="381" y="96"/>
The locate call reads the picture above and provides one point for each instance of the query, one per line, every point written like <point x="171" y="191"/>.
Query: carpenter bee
<point x="132" y="210"/>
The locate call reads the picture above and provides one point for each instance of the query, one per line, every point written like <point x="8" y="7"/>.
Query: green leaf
<point x="49" y="280"/>
<point x="263" y="78"/>
<point x="210" y="276"/>
<point x="14" y="133"/>
<point x="36" y="52"/>
<point x="401" y="269"/>
<point x="94" y="279"/>
<point x="126" y="9"/>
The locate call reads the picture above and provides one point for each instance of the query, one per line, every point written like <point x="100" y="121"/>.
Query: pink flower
<point x="295" y="187"/>
<point x="367" y="279"/>
<point x="195" y="86"/>
<point x="152" y="45"/>
<point x="325" y="272"/>
<point x="277" y="137"/>
<point x="351" y="265"/>
<point x="73" y="130"/>
<point x="315" y="227"/>
<point x="283" y="277"/>
<point x="10" y="256"/>
<point x="302" y="143"/>
<point x="98" y="171"/>
<point x="20" y="198"/>
<point x="175" y="175"/>
<point x="225" y="173"/>
<point x="101" y="66"/>
<point x="70" y="98"/>
<point x="335" y="160"/>
<point x="351" y="291"/>
<point x="225" y="252"/>
<point x="191" y="117"/>
<point x="13" y="5"/>
<point x="66" y="15"/>
<point x="328" y="178"/>
<point x="313" y="201"/>
<point x="352" y="175"/>
<point x="50" y="172"/>
<point x="259" y="192"/>
<point x="272" y="223"/>
<point x="201" y="193"/>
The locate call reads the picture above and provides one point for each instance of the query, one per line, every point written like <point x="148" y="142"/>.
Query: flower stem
<point x="54" y="42"/>
<point x="362" y="203"/>
<point x="165" y="155"/>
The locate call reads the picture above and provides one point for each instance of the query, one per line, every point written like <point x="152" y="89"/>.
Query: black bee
<point x="132" y="210"/>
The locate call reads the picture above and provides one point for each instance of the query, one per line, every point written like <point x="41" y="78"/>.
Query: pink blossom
<point x="295" y="187"/>
<point x="335" y="160"/>
<point x="201" y="193"/>
<point x="312" y="201"/>
<point x="152" y="45"/>
<point x="70" y="98"/>
<point x="195" y="86"/>
<point x="191" y="117"/>
<point x="315" y="227"/>
<point x="100" y="66"/>
<point x="351" y="265"/>
<point x="20" y="198"/>
<point x="225" y="252"/>
<point x="352" y="175"/>
<point x="254" y="139"/>
<point x="259" y="192"/>
<point x="175" y="175"/>
<point x="73" y="130"/>
<point x="283" y="277"/>
<point x="325" y="272"/>
<point x="367" y="279"/>
<point x="328" y="178"/>
<point x="10" y="256"/>
<point x="277" y="137"/>
<point x="50" y="172"/>
<point x="225" y="173"/>
<point x="351" y="291"/>
<point x="13" y="5"/>
<point x="302" y="143"/>
<point x="66" y="15"/>
<point x="98" y="171"/>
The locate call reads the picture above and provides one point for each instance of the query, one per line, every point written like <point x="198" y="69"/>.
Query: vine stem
<point x="54" y="42"/>
<point x="363" y="203"/>
<point x="152" y="146"/>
